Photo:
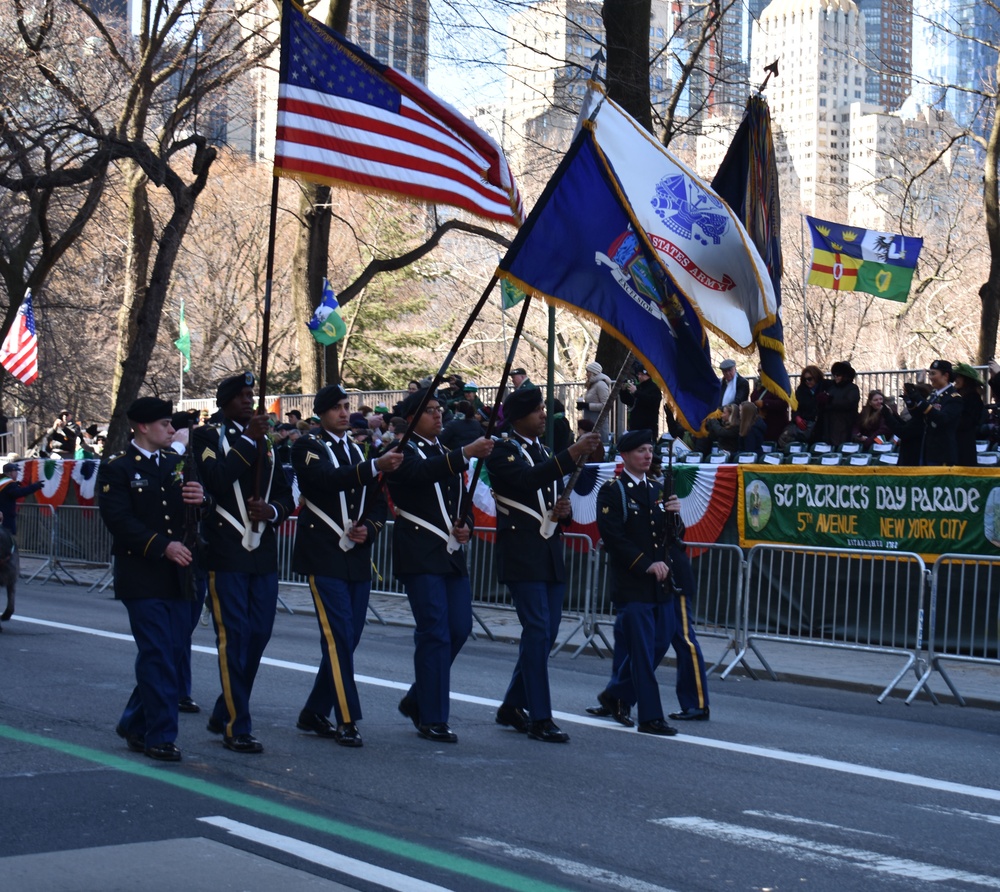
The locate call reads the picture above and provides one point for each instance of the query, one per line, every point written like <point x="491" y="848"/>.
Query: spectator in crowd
<point x="942" y="412"/>
<point x="594" y="398"/>
<point x="10" y="492"/>
<point x="453" y="392"/>
<point x="752" y="428"/>
<point x="480" y="412"/>
<point x="294" y="416"/>
<point x="411" y="387"/>
<point x="562" y="436"/>
<point x="463" y="429"/>
<point x="520" y="380"/>
<point x="644" y="398"/>
<point x="908" y="425"/>
<point x="969" y="386"/>
<point x="282" y="444"/>
<point x="838" y="406"/>
<point x="723" y="431"/>
<point x="63" y="436"/>
<point x="873" y="424"/>
<point x="771" y="407"/>
<point x="89" y="445"/>
<point x="734" y="389"/>
<point x="376" y="427"/>
<point x="586" y="426"/>
<point x="811" y="385"/>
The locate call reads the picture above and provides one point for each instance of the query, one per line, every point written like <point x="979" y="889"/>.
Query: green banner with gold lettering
<point x="930" y="511"/>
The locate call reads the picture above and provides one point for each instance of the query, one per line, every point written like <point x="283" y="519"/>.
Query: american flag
<point x="346" y="119"/>
<point x="19" y="353"/>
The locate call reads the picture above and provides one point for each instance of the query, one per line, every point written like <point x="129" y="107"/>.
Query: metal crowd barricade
<point x="37" y="536"/>
<point x="718" y="570"/>
<point x="578" y="552"/>
<point x="870" y="601"/>
<point x="964" y="616"/>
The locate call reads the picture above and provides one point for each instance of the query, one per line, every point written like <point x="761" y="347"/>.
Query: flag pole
<point x="180" y="398"/>
<point x="466" y="498"/>
<point x="265" y="337"/>
<point x="805" y="283"/>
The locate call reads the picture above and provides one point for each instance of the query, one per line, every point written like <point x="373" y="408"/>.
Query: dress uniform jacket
<point x="526" y="481"/>
<point x="426" y="490"/>
<point x="227" y="469"/>
<point x="141" y="504"/>
<point x="941" y="427"/>
<point x="637" y="532"/>
<point x="336" y="490"/>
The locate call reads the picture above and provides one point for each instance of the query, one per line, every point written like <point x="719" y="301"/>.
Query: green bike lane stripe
<point x="465" y="867"/>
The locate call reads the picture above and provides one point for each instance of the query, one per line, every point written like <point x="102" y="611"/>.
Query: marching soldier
<point x="650" y="576"/>
<point x="334" y="551"/>
<point x="242" y="550"/>
<point x="142" y="498"/>
<point x="527" y="485"/>
<point x="429" y="559"/>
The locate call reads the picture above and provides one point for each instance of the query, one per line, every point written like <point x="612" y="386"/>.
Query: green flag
<point x="510" y="294"/>
<point x="183" y="342"/>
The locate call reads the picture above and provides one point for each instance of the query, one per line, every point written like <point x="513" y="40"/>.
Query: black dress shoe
<point x="657" y="726"/>
<point x="313" y="721"/>
<point x="513" y="717"/>
<point x="133" y="741"/>
<point x="215" y="726"/>
<point x="598" y="711"/>
<point x="547" y="731"/>
<point x="616" y="709"/>
<point x="186" y="704"/>
<point x="347" y="735"/>
<point x="409" y="709"/>
<point x="163" y="752"/>
<point x="438" y="732"/>
<point x="243" y="743"/>
<point x="691" y="715"/>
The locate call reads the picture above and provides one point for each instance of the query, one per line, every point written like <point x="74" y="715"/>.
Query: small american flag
<point x="19" y="353"/>
<point x="346" y="119"/>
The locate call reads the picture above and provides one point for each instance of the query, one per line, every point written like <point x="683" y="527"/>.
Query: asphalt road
<point x="787" y="787"/>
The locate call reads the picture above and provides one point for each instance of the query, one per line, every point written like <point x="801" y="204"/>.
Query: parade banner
<point x="929" y="511"/>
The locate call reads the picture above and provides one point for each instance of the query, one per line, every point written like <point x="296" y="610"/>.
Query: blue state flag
<point x="326" y="325"/>
<point x="582" y="248"/>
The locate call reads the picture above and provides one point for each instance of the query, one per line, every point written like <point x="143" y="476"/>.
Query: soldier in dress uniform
<point x="642" y="537"/>
<point x="429" y="559"/>
<point x="338" y="486"/>
<point x="142" y="498"/>
<point x="942" y="412"/>
<point x="241" y="547"/>
<point x="527" y="485"/>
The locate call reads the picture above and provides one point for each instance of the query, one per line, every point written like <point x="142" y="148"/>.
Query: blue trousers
<point x="184" y="668"/>
<point x="243" y="606"/>
<point x="442" y="609"/>
<point x="647" y="630"/>
<point x="340" y="611"/>
<point x="159" y="627"/>
<point x="539" y="608"/>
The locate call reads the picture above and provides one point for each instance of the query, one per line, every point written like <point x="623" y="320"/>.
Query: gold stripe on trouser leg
<point x="694" y="652"/>
<point x="331" y="646"/>
<point x="227" y="687"/>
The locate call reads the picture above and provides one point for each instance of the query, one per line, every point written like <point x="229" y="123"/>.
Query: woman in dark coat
<point x="970" y="386"/>
<point x="644" y="398"/>
<point x="838" y="407"/>
<point x="463" y="429"/>
<point x="811" y="385"/>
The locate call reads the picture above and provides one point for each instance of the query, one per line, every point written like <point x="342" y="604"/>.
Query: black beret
<point x="328" y="397"/>
<point x="408" y="407"/>
<point x="520" y="404"/>
<point x="634" y="439"/>
<point x="941" y="365"/>
<point x="148" y="409"/>
<point x="518" y="371"/>
<point x="232" y="387"/>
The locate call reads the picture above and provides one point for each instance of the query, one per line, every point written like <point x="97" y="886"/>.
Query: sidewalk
<point x="853" y="670"/>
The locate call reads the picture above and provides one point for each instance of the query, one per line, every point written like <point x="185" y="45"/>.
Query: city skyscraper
<point x="954" y="46"/>
<point x="820" y="44"/>
<point x="889" y="44"/>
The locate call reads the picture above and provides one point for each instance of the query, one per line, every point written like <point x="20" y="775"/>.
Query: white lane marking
<point x="569" y="868"/>
<point x="362" y="870"/>
<point x="808" y="822"/>
<point x="804" y="759"/>
<point x="962" y="813"/>
<point x="825" y="853"/>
